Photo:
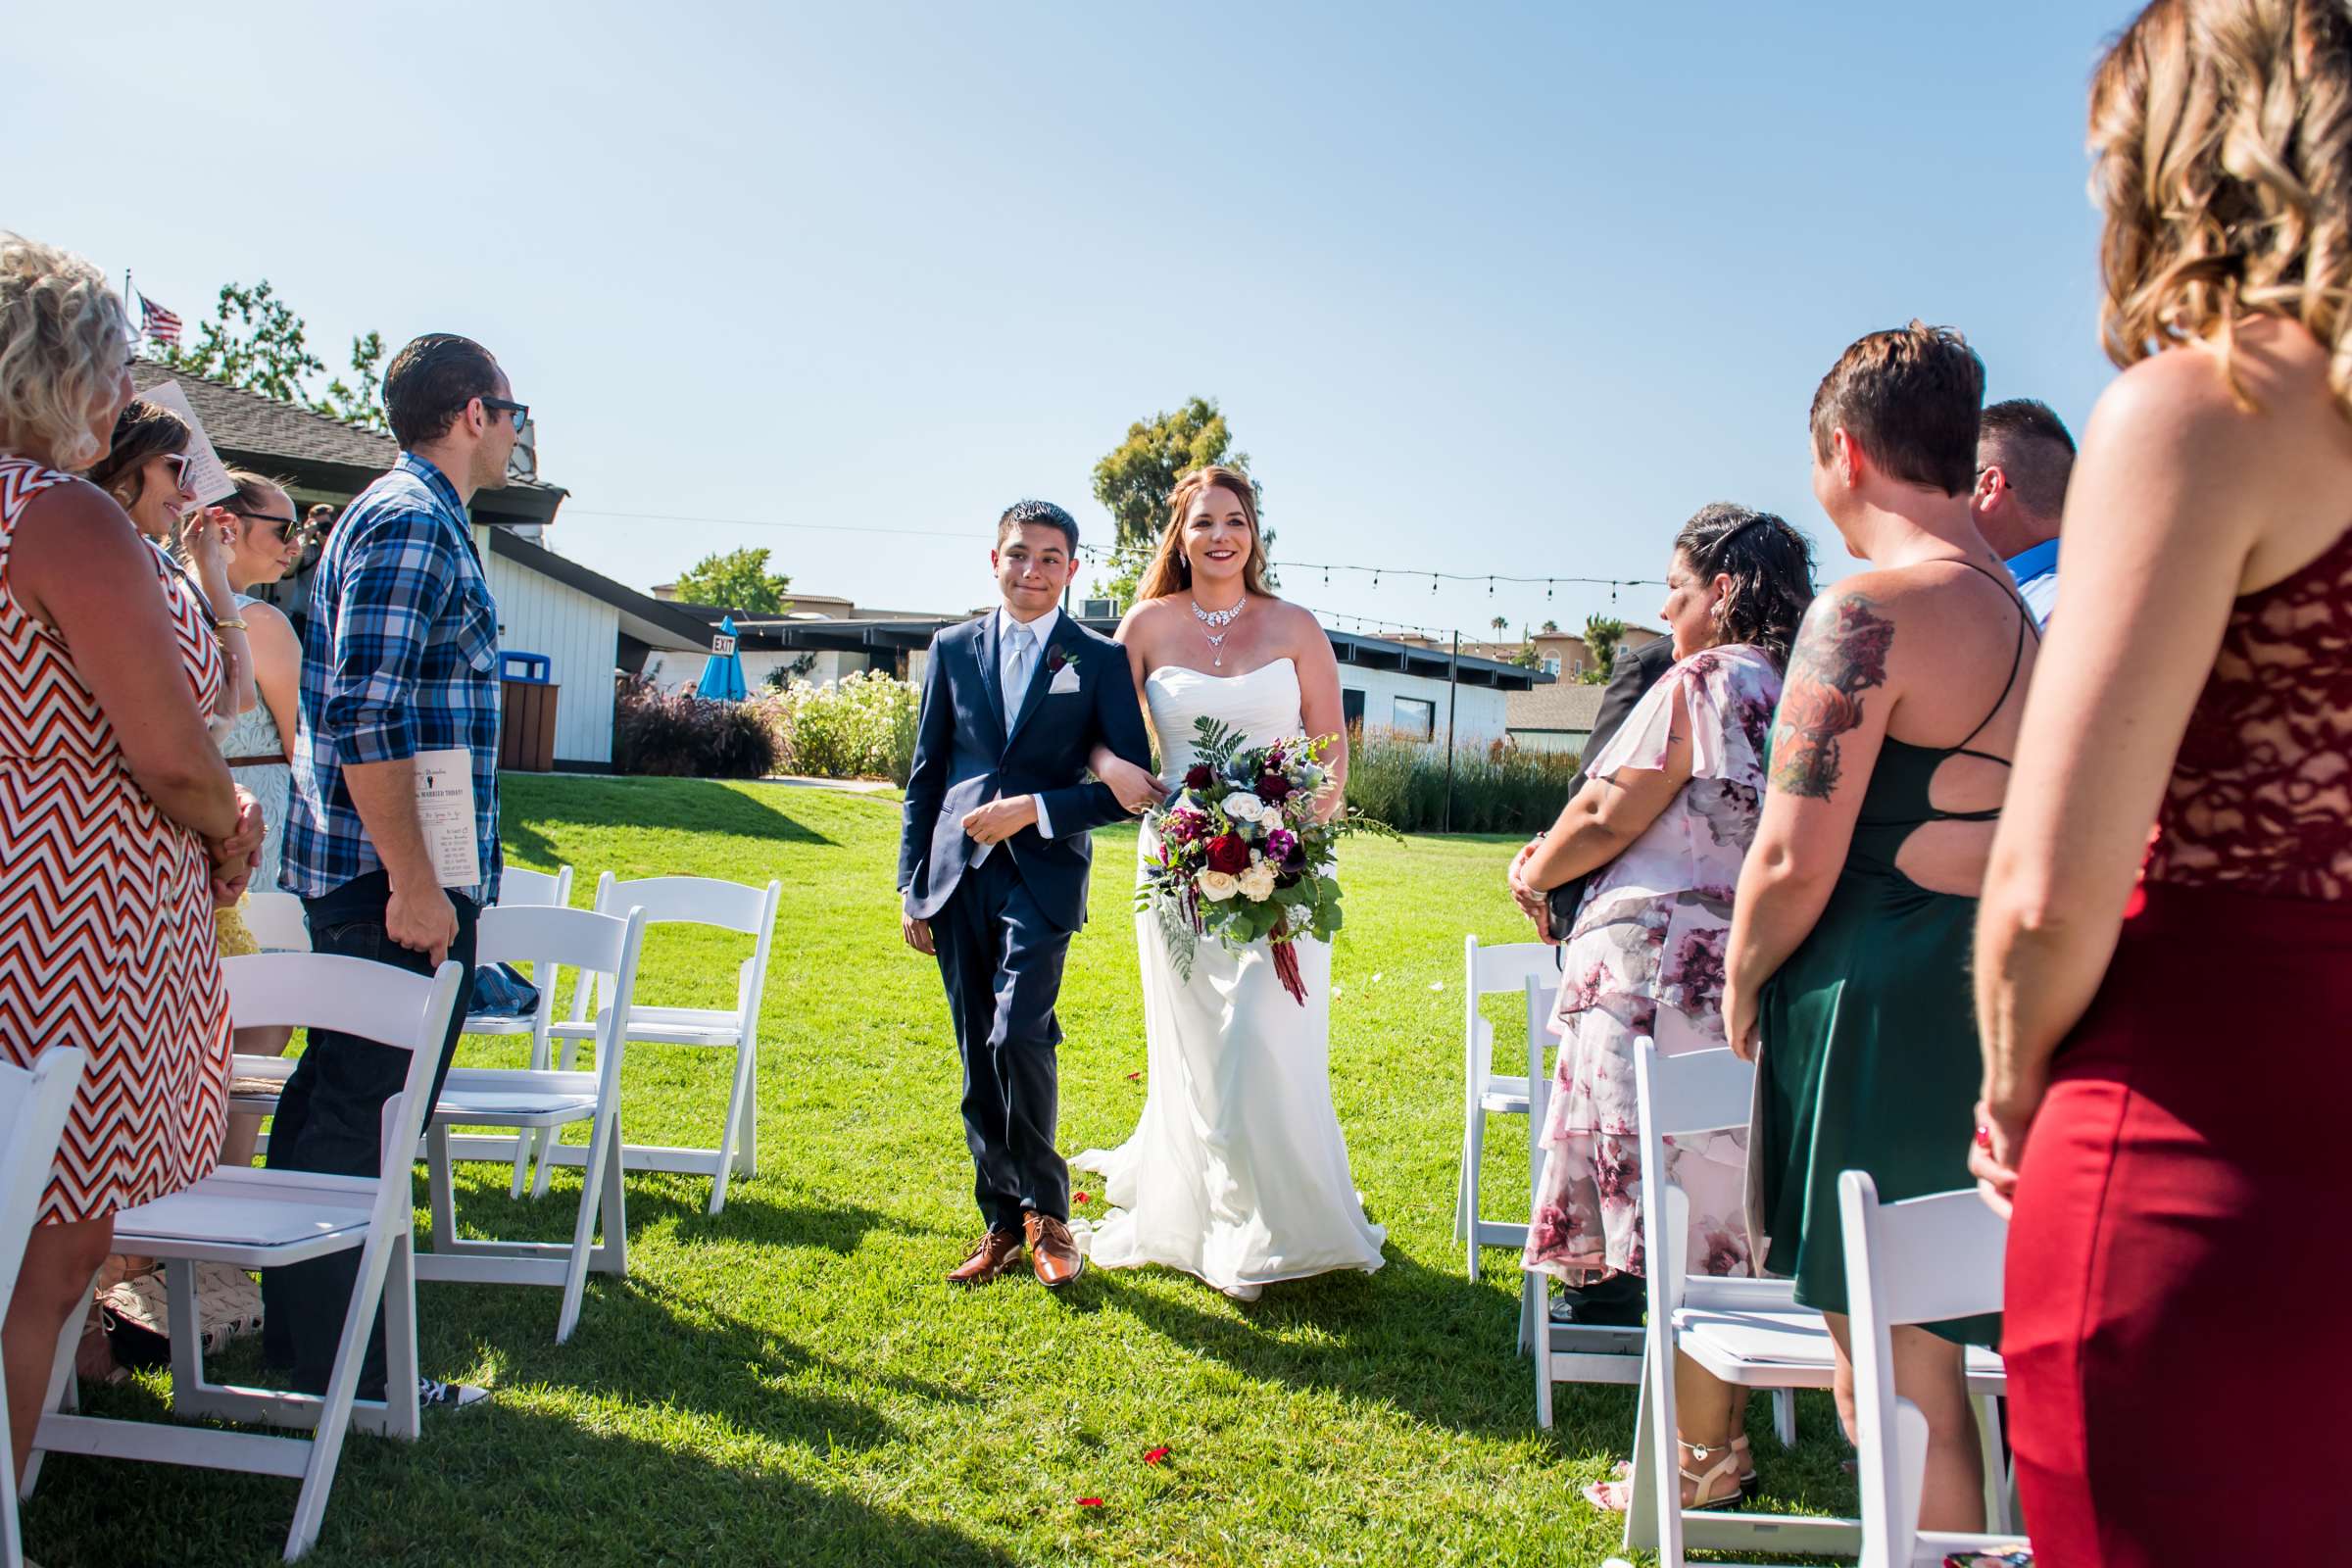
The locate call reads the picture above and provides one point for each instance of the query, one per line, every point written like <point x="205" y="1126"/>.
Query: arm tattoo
<point x="1841" y="652"/>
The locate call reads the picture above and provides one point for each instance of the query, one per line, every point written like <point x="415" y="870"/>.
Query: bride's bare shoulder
<point x="1298" y="623"/>
<point x="1144" y="620"/>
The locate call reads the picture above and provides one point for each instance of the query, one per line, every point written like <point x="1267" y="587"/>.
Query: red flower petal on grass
<point x="1078" y="1198"/>
<point x="1155" y="1455"/>
<point x="1133" y="1076"/>
<point x="1090" y="1502"/>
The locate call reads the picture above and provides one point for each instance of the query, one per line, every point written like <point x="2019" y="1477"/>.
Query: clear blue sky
<point x="1506" y="288"/>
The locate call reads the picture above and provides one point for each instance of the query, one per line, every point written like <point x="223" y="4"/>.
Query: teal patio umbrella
<point x="723" y="673"/>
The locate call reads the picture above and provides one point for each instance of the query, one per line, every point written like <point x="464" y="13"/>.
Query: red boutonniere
<point x="1058" y="660"/>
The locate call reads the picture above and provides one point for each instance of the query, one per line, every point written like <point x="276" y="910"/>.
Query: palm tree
<point x="1502" y="623"/>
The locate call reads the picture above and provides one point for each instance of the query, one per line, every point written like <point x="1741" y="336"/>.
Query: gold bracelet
<point x="237" y="624"/>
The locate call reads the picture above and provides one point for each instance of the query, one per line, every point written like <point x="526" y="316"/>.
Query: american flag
<point x="157" y="323"/>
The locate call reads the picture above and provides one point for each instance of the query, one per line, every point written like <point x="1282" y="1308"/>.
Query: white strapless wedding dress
<point x="1236" y="1171"/>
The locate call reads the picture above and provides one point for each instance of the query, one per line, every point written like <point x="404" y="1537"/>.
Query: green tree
<point x="1551" y="628"/>
<point x="257" y="342"/>
<point x="1500" y="623"/>
<point x="1134" y="479"/>
<point x="737" y="580"/>
<point x="1602" y="633"/>
<point x="360" y="400"/>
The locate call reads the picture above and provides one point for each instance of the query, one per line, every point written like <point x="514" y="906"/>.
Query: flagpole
<point x="131" y="309"/>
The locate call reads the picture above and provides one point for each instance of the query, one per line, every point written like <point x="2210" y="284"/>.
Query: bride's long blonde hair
<point x="1170" y="572"/>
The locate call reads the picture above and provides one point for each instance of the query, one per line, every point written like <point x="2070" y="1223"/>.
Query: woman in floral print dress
<point x="1661" y="826"/>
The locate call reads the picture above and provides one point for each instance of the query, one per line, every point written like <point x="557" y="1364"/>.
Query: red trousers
<point x="2180" y="1306"/>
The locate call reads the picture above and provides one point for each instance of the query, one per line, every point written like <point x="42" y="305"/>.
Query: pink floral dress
<point x="1646" y="958"/>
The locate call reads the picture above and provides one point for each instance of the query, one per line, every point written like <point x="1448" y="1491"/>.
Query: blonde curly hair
<point x="2221" y="132"/>
<point x="64" y="336"/>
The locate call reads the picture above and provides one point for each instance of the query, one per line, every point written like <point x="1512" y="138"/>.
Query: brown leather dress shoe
<point x="1053" y="1249"/>
<point x="994" y="1255"/>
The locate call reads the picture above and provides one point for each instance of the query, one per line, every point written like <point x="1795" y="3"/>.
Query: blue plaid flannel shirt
<point x="401" y="657"/>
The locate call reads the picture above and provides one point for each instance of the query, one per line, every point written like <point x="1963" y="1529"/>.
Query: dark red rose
<point x="1198" y="777"/>
<point x="1228" y="854"/>
<point x="1273" y="787"/>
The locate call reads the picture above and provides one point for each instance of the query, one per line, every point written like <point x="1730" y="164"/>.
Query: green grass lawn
<point x="792" y="1382"/>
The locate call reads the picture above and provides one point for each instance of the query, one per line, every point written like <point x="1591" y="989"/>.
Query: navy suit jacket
<point x="968" y="751"/>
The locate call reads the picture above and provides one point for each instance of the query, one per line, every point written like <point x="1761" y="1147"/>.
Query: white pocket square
<point x="1065" y="682"/>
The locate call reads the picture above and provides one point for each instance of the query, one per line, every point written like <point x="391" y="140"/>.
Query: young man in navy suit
<point x="994" y="861"/>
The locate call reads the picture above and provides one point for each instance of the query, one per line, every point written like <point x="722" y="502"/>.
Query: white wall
<point x="1478" y="715"/>
<point x="580" y="636"/>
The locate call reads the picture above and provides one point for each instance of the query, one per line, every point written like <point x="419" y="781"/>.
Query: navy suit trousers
<point x="1002" y="961"/>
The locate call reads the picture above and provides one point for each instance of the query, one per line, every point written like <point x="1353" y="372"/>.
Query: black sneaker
<point x="448" y="1395"/>
<point x="1618" y="1301"/>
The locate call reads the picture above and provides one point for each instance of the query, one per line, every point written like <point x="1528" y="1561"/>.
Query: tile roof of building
<point x="1563" y="704"/>
<point x="261" y="428"/>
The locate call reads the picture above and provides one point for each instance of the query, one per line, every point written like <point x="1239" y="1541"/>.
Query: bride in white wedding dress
<point x="1236" y="1171"/>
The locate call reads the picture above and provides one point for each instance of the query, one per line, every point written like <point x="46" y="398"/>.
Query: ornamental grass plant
<point x="1497" y="788"/>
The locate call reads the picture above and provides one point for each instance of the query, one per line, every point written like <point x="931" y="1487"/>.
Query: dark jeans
<point x="330" y="1119"/>
<point x="1001" y="961"/>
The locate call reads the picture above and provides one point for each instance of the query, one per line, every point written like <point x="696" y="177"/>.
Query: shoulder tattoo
<point x="1840" y="654"/>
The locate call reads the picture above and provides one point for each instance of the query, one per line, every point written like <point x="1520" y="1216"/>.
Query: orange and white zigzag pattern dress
<point x="106" y="915"/>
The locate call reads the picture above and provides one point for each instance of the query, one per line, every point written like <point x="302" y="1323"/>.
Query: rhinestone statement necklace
<point x="1214" y="624"/>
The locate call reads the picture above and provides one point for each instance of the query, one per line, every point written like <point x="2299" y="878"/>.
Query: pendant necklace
<point x="1213" y="625"/>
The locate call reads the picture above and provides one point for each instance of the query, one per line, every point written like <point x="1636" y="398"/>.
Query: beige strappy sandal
<point x="1616" y="1496"/>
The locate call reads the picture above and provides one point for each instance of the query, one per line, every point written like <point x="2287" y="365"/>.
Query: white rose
<point x="1258" y="883"/>
<point x="1243" y="807"/>
<point x="1218" y="886"/>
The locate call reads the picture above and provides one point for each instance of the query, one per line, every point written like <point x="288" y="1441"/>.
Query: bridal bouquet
<point x="1242" y="856"/>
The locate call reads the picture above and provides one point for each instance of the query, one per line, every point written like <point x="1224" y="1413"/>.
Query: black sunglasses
<point x="284" y="525"/>
<point x="520" y="410"/>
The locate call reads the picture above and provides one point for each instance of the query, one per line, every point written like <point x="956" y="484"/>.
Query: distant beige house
<point x="1557" y="717"/>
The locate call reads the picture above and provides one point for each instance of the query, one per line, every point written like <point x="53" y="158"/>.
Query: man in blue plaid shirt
<point x="400" y="660"/>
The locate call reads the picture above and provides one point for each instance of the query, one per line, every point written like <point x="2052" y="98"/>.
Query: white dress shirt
<point x="1040" y="632"/>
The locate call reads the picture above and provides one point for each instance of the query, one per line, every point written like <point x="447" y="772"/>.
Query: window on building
<point x="1415" y="720"/>
<point x="1551" y="663"/>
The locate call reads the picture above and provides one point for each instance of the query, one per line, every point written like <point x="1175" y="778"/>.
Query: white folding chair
<point x="1565" y="1352"/>
<point x="259" y="1219"/>
<point x="33" y="1106"/>
<point x="531" y="1098"/>
<point x="276" y="922"/>
<point x="1490" y="971"/>
<point x="688" y="901"/>
<point x="1748" y="1332"/>
<point x="1921" y="1260"/>
<point x="520" y="888"/>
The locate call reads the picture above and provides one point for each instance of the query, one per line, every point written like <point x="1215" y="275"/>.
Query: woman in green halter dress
<point x="1849" y="956"/>
<point x="1871" y="1060"/>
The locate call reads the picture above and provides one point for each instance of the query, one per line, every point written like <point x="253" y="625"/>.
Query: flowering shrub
<point x="680" y="735"/>
<point x="859" y="727"/>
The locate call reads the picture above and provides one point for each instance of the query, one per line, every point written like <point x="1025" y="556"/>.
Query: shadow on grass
<point x="1429" y="1344"/>
<point x="751" y="1217"/>
<point x="679" y="805"/>
<point x="622" y="1489"/>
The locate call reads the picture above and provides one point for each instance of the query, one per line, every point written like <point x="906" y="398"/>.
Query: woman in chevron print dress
<point x="117" y="818"/>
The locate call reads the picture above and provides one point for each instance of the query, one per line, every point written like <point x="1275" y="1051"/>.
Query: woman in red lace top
<point x="2165" y="1067"/>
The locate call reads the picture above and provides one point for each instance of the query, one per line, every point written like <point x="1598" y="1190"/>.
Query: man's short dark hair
<point x="1037" y="513"/>
<point x="431" y="380"/>
<point x="2030" y="445"/>
<point x="1909" y="397"/>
